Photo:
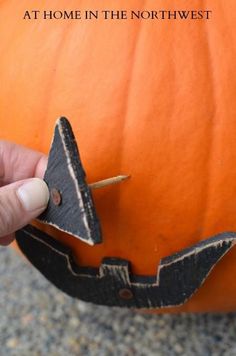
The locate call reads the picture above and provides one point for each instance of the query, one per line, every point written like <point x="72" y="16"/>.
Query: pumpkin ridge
<point x="211" y="133"/>
<point x="127" y="97"/>
<point x="56" y="59"/>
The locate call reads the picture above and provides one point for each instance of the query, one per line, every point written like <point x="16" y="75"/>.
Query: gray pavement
<point x="37" y="319"/>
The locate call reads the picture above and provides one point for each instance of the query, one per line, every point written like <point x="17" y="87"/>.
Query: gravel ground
<point x="37" y="319"/>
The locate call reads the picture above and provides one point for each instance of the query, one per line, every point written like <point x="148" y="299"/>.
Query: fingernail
<point x="33" y="194"/>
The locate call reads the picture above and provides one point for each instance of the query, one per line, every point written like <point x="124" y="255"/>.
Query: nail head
<point x="125" y="293"/>
<point x="56" y="196"/>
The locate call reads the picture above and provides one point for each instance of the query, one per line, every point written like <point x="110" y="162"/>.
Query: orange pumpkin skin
<point x="151" y="99"/>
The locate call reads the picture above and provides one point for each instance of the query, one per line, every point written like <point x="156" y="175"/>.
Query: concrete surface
<point x="37" y="319"/>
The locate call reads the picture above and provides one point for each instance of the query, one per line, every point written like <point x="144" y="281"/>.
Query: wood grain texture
<point x="76" y="213"/>
<point x="178" y="277"/>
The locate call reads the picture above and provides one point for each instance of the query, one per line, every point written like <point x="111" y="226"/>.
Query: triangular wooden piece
<point x="70" y="207"/>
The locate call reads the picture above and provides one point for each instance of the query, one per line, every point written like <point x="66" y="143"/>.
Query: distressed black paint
<point x="178" y="277"/>
<point x="76" y="213"/>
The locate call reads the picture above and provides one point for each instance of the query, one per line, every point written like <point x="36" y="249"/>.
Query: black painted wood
<point x="113" y="284"/>
<point x="72" y="210"/>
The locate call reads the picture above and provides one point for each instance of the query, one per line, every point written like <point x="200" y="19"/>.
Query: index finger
<point x="18" y="162"/>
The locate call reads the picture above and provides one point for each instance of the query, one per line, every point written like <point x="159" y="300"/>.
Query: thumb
<point x="21" y="202"/>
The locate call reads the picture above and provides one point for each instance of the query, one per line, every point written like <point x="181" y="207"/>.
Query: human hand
<point x="23" y="193"/>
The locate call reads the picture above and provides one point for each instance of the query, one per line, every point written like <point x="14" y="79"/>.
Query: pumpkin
<point x="152" y="99"/>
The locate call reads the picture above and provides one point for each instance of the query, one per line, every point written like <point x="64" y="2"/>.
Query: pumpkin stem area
<point x="108" y="181"/>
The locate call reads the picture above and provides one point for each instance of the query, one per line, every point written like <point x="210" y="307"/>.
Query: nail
<point x="33" y="194"/>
